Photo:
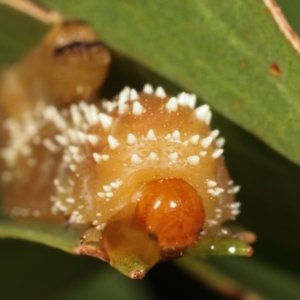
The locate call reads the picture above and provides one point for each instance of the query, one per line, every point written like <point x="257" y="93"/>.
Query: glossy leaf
<point x="211" y="246"/>
<point x="241" y="278"/>
<point x="232" y="55"/>
<point x="13" y="42"/>
<point x="270" y="184"/>
<point x="48" y="234"/>
<point x="68" y="240"/>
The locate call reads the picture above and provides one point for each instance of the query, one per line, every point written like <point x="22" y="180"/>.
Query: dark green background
<point x="270" y="199"/>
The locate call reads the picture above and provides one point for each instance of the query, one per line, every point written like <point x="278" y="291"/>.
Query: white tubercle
<point x="183" y="99"/>
<point x="160" y="92"/>
<point x="113" y="142"/>
<point x="105" y="157"/>
<point x="93" y="139"/>
<point x="168" y="136"/>
<point x="75" y="115"/>
<point x="124" y="94"/>
<point x="202" y="112"/>
<point x="81" y="136"/>
<point x="173" y="156"/>
<point x="62" y="140"/>
<point x="192" y="101"/>
<point x="91" y="114"/>
<point x="217" y="153"/>
<point x="148" y="89"/>
<point x="152" y="156"/>
<point x="72" y="134"/>
<point x="150" y="135"/>
<point x="220" y="142"/>
<point x="205" y="143"/>
<point x="70" y="200"/>
<point x="116" y="184"/>
<point x="137" y="108"/>
<point x="176" y="135"/>
<point x="73" y="149"/>
<point x="214" y="133"/>
<point x="193" y="160"/>
<point x="172" y="105"/>
<point x="133" y="95"/>
<point x="211" y="183"/>
<point x="107" y="188"/>
<point x="131" y="139"/>
<point x="50" y="145"/>
<point x="101" y="195"/>
<point x="135" y="159"/>
<point x="194" y="139"/>
<point x="123" y="97"/>
<point x="207" y="118"/>
<point x="106" y="121"/>
<point x="97" y="157"/>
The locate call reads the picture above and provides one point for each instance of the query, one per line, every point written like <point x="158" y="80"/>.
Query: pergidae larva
<point x="143" y="174"/>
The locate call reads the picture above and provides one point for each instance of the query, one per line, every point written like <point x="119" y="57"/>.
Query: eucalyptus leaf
<point x="14" y="44"/>
<point x="267" y="280"/>
<point x="243" y="278"/>
<point x="231" y="53"/>
<point x="219" y="245"/>
<point x="250" y="94"/>
<point x="46" y="233"/>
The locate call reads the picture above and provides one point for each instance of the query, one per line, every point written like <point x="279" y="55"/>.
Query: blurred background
<point x="270" y="197"/>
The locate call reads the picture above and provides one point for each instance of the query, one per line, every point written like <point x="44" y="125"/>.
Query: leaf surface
<point x="232" y="55"/>
<point x="228" y="66"/>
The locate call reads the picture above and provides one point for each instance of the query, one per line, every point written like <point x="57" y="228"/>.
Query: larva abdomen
<point x="100" y="163"/>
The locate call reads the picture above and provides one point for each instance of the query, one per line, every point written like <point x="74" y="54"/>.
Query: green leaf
<point x="267" y="280"/>
<point x="45" y="273"/>
<point x="106" y="285"/>
<point x="223" y="52"/>
<point x="243" y="278"/>
<point x="227" y="245"/>
<point x="53" y="235"/>
<point x="270" y="184"/>
<point x="13" y="42"/>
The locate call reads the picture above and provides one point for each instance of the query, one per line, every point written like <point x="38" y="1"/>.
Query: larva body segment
<point x="140" y="148"/>
<point x="99" y="171"/>
<point x="69" y="65"/>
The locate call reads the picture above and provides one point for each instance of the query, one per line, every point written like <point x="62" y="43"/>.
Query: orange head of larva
<point x="162" y="219"/>
<point x="172" y="213"/>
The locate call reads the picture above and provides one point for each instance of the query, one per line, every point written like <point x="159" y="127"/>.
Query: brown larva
<point x="143" y="174"/>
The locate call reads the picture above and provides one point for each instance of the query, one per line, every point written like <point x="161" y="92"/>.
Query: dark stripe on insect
<point x="78" y="47"/>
